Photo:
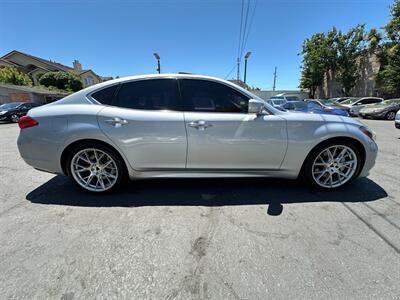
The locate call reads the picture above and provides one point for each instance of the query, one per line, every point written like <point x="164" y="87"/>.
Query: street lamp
<point x="157" y="56"/>
<point x="245" y="65"/>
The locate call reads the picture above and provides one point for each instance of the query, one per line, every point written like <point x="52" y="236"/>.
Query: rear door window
<point x="149" y="94"/>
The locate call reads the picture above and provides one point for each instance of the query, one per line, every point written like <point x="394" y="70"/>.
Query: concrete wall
<point x="14" y="95"/>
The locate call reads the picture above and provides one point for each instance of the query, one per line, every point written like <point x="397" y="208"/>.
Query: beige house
<point x="35" y="67"/>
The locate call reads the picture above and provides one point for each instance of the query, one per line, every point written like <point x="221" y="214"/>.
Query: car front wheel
<point x="391" y="115"/>
<point x="332" y="165"/>
<point x="96" y="168"/>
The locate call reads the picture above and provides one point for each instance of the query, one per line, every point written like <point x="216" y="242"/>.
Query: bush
<point x="13" y="76"/>
<point x="61" y="80"/>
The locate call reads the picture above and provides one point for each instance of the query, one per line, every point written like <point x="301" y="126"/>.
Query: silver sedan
<point x="177" y="125"/>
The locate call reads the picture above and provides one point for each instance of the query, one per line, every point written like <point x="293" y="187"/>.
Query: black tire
<point x="390" y="115"/>
<point x="122" y="174"/>
<point x="306" y="173"/>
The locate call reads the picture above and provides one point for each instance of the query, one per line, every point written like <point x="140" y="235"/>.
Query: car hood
<point x="323" y="118"/>
<point x="338" y="107"/>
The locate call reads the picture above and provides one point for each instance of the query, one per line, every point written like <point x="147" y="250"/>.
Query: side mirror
<point x="256" y="106"/>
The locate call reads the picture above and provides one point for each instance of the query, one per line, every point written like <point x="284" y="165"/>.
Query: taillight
<point x="26" y="122"/>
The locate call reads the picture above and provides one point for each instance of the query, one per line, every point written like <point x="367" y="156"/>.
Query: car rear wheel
<point x="96" y="168"/>
<point x="332" y="165"/>
<point x="14" y="118"/>
<point x="391" y="115"/>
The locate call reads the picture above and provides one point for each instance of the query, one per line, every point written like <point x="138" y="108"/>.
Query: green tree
<point x="13" y="76"/>
<point x="388" y="77"/>
<point x="61" y="80"/>
<point x="374" y="38"/>
<point x="313" y="68"/>
<point x="350" y="47"/>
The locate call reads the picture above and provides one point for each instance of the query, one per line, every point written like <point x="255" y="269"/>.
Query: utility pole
<point x="273" y="88"/>
<point x="238" y="69"/>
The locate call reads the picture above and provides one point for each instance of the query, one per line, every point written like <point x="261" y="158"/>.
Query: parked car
<point x="286" y="98"/>
<point x="385" y="110"/>
<point x="329" y="104"/>
<point x="339" y="99"/>
<point x="356" y="104"/>
<point x="11" y="112"/>
<point x="316" y="106"/>
<point x="397" y="120"/>
<point x="178" y="125"/>
<point x="277" y="103"/>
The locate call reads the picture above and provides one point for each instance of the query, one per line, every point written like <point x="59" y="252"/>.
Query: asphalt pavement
<point x="200" y="239"/>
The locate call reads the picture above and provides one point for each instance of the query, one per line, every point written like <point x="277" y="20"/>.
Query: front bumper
<point x="373" y="115"/>
<point x="371" y="152"/>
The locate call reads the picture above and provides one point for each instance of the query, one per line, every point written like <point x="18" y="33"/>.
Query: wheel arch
<point x="355" y="142"/>
<point x="72" y="145"/>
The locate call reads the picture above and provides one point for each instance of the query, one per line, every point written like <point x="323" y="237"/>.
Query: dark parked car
<point x="313" y="107"/>
<point x="11" y="112"/>
<point x="385" y="110"/>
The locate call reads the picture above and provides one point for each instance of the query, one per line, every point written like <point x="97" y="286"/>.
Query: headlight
<point x="2" y="112"/>
<point x="368" y="132"/>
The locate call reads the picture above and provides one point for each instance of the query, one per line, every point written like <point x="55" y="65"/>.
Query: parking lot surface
<point x="200" y="239"/>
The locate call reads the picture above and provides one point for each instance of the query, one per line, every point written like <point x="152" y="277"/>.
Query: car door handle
<point x="116" y="122"/>
<point x="201" y="125"/>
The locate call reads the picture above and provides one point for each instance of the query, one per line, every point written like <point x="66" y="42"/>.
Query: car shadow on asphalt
<point x="60" y="190"/>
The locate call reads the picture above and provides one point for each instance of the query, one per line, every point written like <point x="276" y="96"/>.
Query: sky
<point x="119" y="37"/>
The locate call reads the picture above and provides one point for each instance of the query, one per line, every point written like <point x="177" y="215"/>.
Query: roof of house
<point x="45" y="61"/>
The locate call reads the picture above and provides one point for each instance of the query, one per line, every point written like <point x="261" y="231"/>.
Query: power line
<point x="250" y="25"/>
<point x="245" y="28"/>
<point x="240" y="30"/>
<point x="230" y="72"/>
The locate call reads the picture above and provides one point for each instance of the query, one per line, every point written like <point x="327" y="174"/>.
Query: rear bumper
<point x="37" y="152"/>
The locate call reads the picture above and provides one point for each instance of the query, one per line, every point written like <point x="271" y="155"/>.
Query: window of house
<point x="150" y="94"/>
<point x="89" y="80"/>
<point x="105" y="96"/>
<point x="209" y="96"/>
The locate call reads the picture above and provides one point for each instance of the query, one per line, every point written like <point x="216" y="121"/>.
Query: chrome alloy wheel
<point x="334" y="166"/>
<point x="390" y="115"/>
<point x="14" y="118"/>
<point x="94" y="170"/>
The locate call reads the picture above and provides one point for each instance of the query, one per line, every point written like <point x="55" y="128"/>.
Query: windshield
<point x="277" y="97"/>
<point x="350" y="100"/>
<point x="328" y="102"/>
<point x="9" y="105"/>
<point x="278" y="102"/>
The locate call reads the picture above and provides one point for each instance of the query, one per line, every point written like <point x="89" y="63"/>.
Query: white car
<point x="177" y="125"/>
<point x="356" y="104"/>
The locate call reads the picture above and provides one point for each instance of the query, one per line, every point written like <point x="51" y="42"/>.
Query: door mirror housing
<point x="256" y="106"/>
